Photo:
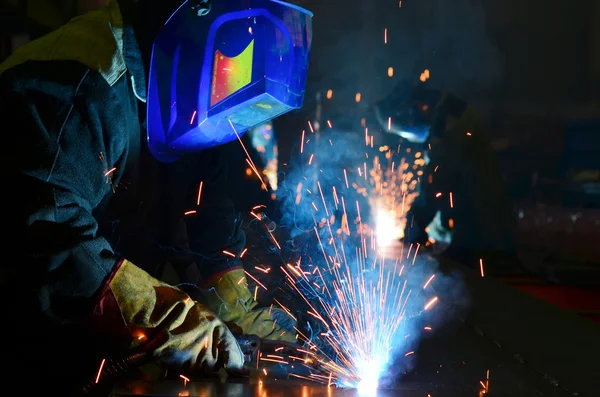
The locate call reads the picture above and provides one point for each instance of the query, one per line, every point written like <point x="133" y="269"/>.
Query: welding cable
<point x="113" y="368"/>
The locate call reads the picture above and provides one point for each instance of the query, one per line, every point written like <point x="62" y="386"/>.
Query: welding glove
<point x="440" y="232"/>
<point x="227" y="294"/>
<point x="192" y="337"/>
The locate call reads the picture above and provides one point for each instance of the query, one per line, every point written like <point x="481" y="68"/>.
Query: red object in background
<point x="565" y="234"/>
<point x="581" y="301"/>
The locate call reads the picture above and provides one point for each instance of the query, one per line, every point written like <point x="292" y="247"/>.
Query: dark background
<point x="532" y="68"/>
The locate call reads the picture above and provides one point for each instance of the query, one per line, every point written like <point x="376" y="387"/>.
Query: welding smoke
<point x="319" y="164"/>
<point x="360" y="40"/>
<point x="384" y="303"/>
<point x="450" y="39"/>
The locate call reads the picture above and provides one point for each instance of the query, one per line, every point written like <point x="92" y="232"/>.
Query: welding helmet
<point x="220" y="68"/>
<point x="404" y="112"/>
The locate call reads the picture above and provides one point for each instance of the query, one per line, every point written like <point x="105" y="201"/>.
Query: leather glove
<point x="228" y="294"/>
<point x="190" y="336"/>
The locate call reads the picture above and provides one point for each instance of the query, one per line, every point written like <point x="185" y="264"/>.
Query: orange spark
<point x="255" y="280"/>
<point x="185" y="379"/>
<point x="248" y="158"/>
<point x="199" y="193"/>
<point x="431" y="303"/>
<point x="428" y="281"/>
<point x="100" y="370"/>
<point x="481" y="267"/>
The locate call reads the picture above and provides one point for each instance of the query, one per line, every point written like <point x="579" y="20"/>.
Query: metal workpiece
<point x="455" y="362"/>
<point x="505" y="343"/>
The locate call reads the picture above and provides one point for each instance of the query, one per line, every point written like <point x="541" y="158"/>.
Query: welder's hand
<point x="191" y="337"/>
<point x="439" y="231"/>
<point x="202" y="342"/>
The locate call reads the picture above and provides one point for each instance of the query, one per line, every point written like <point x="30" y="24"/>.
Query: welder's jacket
<point x="81" y="191"/>
<point x="463" y="181"/>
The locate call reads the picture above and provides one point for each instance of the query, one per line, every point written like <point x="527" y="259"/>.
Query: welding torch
<point x="252" y="348"/>
<point x="113" y="368"/>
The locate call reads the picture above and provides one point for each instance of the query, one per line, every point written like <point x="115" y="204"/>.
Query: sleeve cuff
<point x="106" y="318"/>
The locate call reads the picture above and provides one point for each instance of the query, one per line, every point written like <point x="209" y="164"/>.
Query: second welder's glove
<point x="227" y="294"/>
<point x="190" y="336"/>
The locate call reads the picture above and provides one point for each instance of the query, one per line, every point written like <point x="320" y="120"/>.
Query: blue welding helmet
<point x="220" y="69"/>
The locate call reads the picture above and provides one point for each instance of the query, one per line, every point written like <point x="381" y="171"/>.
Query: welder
<point x="462" y="198"/>
<point x="97" y="154"/>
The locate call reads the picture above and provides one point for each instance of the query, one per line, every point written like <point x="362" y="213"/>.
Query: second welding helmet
<point x="220" y="68"/>
<point x="403" y="112"/>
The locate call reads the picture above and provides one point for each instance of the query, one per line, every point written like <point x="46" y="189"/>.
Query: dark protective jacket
<point x="463" y="181"/>
<point x="81" y="190"/>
